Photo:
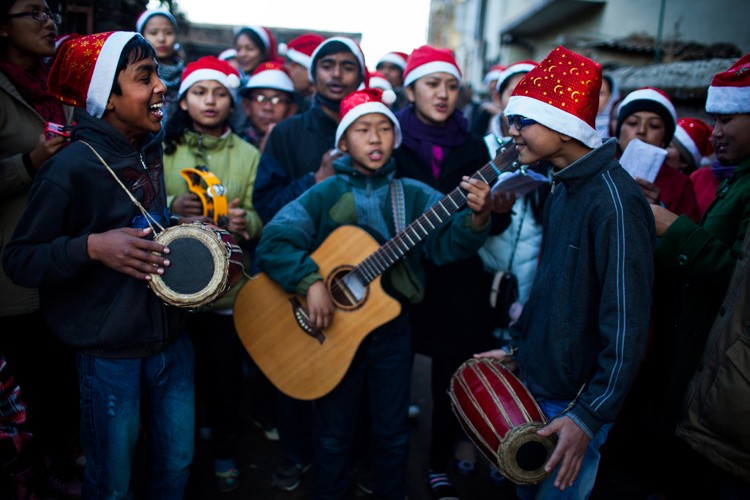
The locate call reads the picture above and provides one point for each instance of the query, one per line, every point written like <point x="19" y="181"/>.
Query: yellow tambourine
<point x="210" y="191"/>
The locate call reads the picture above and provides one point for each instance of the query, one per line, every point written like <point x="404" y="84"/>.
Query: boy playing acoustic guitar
<point x="363" y="193"/>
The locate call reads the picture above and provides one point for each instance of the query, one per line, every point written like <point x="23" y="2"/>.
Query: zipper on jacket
<point x="140" y="157"/>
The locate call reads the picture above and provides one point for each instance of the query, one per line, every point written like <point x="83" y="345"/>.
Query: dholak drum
<point x="501" y="417"/>
<point x="205" y="262"/>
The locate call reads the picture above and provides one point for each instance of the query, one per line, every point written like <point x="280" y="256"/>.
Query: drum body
<point x="205" y="262"/>
<point x="501" y="417"/>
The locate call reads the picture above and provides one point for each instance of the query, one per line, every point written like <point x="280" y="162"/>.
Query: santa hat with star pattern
<point x="561" y="93"/>
<point x="85" y="68"/>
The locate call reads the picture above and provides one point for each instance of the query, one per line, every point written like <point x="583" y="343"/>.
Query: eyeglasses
<point x="520" y="122"/>
<point x="275" y="100"/>
<point x="39" y="15"/>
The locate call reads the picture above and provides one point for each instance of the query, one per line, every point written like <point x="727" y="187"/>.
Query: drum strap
<point x="146" y="215"/>
<point x="570" y="405"/>
<point x="398" y="205"/>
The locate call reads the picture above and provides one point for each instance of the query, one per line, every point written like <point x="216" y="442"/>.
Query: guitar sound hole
<point x="342" y="288"/>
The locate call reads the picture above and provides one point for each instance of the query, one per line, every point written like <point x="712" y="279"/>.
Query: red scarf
<point x="32" y="85"/>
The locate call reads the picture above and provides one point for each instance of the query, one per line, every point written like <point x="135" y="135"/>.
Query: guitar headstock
<point x="506" y="156"/>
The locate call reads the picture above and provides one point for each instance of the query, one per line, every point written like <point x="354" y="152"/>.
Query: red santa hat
<point x="85" y="69"/>
<point x="363" y="102"/>
<point x="427" y="60"/>
<point x="300" y="49"/>
<point x="694" y="136"/>
<point x="376" y="80"/>
<point x="266" y="38"/>
<point x="729" y="92"/>
<point x="493" y="73"/>
<point x="648" y="99"/>
<point x="227" y="54"/>
<point x="270" y="75"/>
<point x="561" y="93"/>
<point x="396" y="58"/>
<point x="140" y="24"/>
<point x="209" y="68"/>
<point x="349" y="43"/>
<point x="514" y="69"/>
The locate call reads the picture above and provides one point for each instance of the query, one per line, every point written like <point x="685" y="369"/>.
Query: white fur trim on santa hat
<point x="353" y="47"/>
<point x="430" y="68"/>
<point x="270" y="79"/>
<point x="228" y="54"/>
<point x="103" y="76"/>
<point x="262" y="34"/>
<point x="554" y="118"/>
<point x="511" y="70"/>
<point x="689" y="144"/>
<point x="299" y="57"/>
<point x="728" y="100"/>
<point x="231" y="81"/>
<point x="392" y="58"/>
<point x="364" y="109"/>
<point x="650" y="95"/>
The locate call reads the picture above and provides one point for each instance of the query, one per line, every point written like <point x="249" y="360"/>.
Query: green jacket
<point x="350" y="197"/>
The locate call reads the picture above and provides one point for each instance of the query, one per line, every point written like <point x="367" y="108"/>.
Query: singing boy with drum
<point x="85" y="244"/>
<point x="582" y="333"/>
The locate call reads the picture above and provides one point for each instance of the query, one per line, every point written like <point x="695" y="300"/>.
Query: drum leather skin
<point x="501" y="417"/>
<point x="205" y="262"/>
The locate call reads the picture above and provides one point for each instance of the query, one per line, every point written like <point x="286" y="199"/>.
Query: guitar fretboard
<point x="398" y="246"/>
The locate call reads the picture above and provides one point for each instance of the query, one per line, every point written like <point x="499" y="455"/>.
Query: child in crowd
<point x="647" y="114"/>
<point x="84" y="241"/>
<point x="691" y="146"/>
<point x="254" y="45"/>
<point x="392" y="66"/>
<point x="361" y="193"/>
<point x="298" y="58"/>
<point x="199" y="135"/>
<point x="583" y="331"/>
<point x="159" y="27"/>
<point x="267" y="98"/>
<point x="439" y="150"/>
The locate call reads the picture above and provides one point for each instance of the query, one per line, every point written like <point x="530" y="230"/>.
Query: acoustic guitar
<point x="305" y="362"/>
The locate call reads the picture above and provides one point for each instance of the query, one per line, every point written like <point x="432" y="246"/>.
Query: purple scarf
<point x="722" y="172"/>
<point x="421" y="138"/>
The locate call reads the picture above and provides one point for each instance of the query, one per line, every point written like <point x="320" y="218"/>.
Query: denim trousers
<point x="584" y="483"/>
<point x="381" y="371"/>
<point x="124" y="400"/>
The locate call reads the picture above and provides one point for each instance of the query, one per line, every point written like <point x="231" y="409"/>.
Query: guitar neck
<point x="398" y="246"/>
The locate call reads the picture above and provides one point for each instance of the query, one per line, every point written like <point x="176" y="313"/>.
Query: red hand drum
<point x="501" y="417"/>
<point x="205" y="262"/>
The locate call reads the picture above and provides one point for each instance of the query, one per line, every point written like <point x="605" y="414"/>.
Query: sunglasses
<point x="520" y="122"/>
<point x="39" y="15"/>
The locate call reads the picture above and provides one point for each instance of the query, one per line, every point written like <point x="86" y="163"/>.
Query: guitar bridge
<point x="303" y="321"/>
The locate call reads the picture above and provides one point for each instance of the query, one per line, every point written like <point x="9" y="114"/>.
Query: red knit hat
<point x="695" y="136"/>
<point x="729" y="92"/>
<point x="270" y="75"/>
<point x="396" y="58"/>
<point x="300" y="49"/>
<point x="561" y="93"/>
<point x="209" y="68"/>
<point x="85" y="68"/>
<point x="514" y="69"/>
<point x="363" y="102"/>
<point x="427" y="60"/>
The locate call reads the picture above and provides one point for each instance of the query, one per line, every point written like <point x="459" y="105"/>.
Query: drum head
<point x="197" y="269"/>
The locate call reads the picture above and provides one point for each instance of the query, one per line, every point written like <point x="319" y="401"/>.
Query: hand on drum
<point x="571" y="447"/>
<point x="237" y="220"/>
<point x="128" y="251"/>
<point x="501" y="355"/>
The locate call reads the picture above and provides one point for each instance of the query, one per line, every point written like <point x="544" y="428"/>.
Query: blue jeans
<point x="584" y="483"/>
<point x="381" y="369"/>
<point x="112" y="394"/>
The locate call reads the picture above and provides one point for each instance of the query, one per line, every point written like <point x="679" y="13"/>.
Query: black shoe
<point x="288" y="475"/>
<point x="441" y="487"/>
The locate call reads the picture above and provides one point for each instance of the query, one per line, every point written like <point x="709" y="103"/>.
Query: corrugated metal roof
<point x="681" y="80"/>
